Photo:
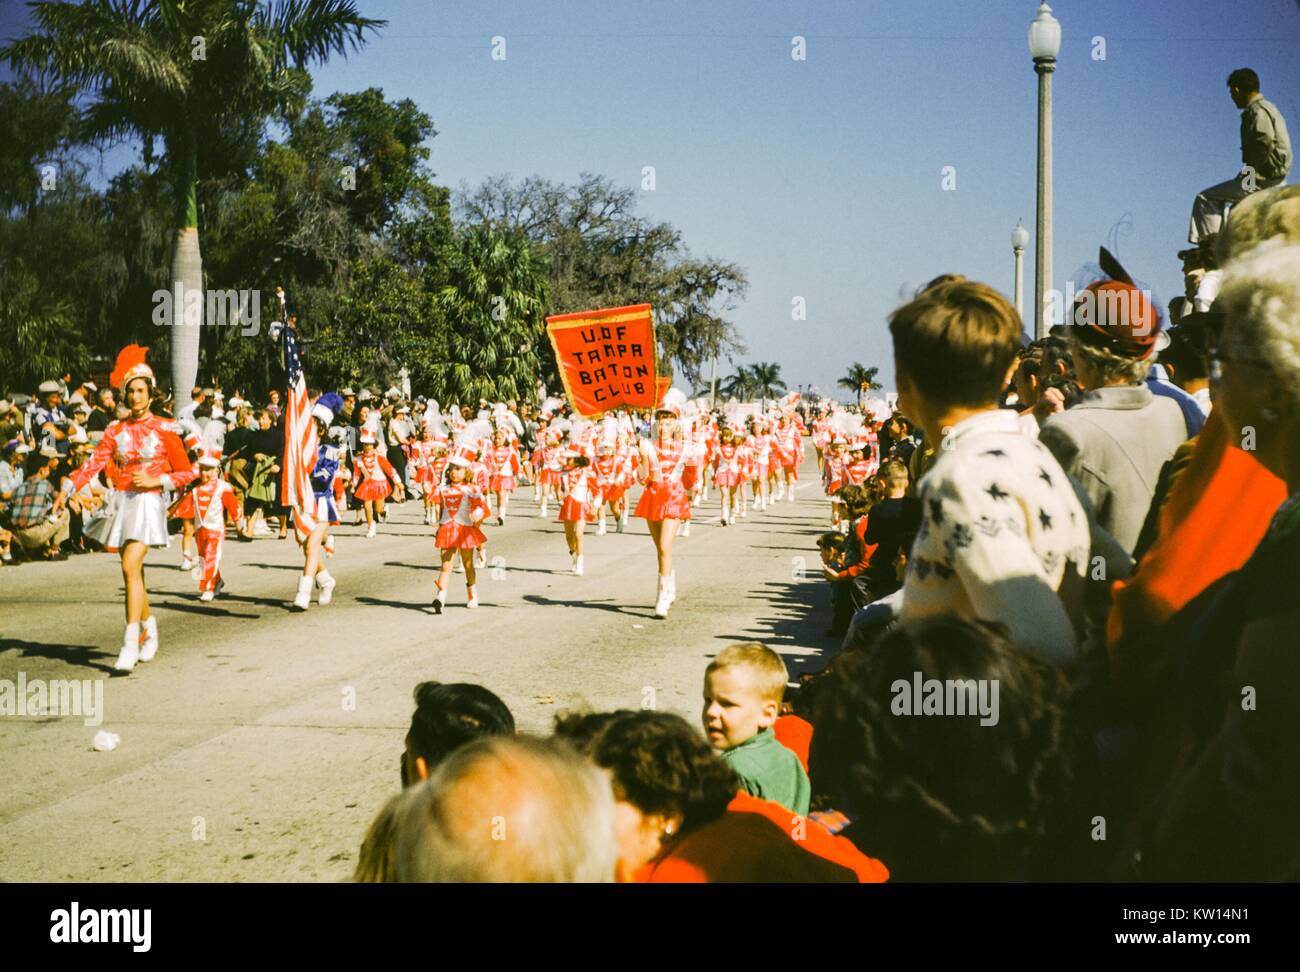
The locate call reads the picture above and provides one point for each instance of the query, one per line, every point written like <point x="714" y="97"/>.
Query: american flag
<point x="300" y="443"/>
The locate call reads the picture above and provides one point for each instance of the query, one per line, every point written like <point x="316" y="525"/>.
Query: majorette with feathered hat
<point x="148" y="457"/>
<point x="665" y="503"/>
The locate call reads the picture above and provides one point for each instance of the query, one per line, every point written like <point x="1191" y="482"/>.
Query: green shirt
<point x="771" y="772"/>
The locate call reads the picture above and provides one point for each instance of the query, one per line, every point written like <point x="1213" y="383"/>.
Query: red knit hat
<point x="1118" y="317"/>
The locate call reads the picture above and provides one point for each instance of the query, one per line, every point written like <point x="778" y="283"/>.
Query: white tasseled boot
<point x="325" y="581"/>
<point x="577" y="565"/>
<point x="473" y="598"/>
<point x="130" y="653"/>
<point x="600" y="530"/>
<point x="148" y="638"/>
<point x="664" y="600"/>
<point x="686" y="528"/>
<point x="303" y="599"/>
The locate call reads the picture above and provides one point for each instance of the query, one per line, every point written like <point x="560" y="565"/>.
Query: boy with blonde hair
<point x="743" y="688"/>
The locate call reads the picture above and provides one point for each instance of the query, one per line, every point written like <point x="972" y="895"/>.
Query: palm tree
<point x="193" y="73"/>
<point x="767" y="380"/>
<point x="860" y="379"/>
<point x="740" y="385"/>
<point x="493" y="304"/>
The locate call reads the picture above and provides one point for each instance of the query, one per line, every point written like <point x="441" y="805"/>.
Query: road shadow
<point x="275" y="567"/>
<point x="80" y="655"/>
<point x="208" y="608"/>
<point x="593" y="605"/>
<point x="420" y="607"/>
<point x="791" y="623"/>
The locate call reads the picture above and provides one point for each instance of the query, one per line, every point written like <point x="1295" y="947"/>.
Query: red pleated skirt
<point x="459" y="536"/>
<point x="664" y="501"/>
<point x="373" y="489"/>
<point x="574" y="511"/>
<point x="501" y="484"/>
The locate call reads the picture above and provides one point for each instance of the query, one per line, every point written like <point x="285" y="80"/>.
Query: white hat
<point x="236" y="401"/>
<point x="46" y="387"/>
<point x="211" y="459"/>
<point x="459" y="460"/>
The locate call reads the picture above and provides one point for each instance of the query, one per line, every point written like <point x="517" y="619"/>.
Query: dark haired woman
<point x="682" y="817"/>
<point x="964" y="795"/>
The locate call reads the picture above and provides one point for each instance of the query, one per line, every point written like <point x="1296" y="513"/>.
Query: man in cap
<point x="349" y="406"/>
<point x="49" y="421"/>
<point x="31" y="514"/>
<point x="1118" y="435"/>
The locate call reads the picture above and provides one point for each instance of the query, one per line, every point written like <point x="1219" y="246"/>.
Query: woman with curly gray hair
<point x="1228" y="810"/>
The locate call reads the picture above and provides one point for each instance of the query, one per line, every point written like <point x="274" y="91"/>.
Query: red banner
<point x="606" y="357"/>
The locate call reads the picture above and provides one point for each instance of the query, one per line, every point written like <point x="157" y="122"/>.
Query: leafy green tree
<point x="38" y="332"/>
<point x="597" y="252"/>
<point x="194" y="73"/>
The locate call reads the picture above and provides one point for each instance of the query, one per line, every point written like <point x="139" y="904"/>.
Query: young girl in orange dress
<point x="372" y="475"/>
<point x="463" y="509"/>
<point x="503" y="471"/>
<point x="609" y="467"/>
<point x="664" y="503"/>
<point x="727" y="474"/>
<point x="424" y="455"/>
<point x="547" y="462"/>
<point x="581" y="497"/>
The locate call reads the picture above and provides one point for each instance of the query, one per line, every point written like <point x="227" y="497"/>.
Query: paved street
<point x="260" y="742"/>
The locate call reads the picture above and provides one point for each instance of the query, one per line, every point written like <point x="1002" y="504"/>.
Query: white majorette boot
<point x="148" y="638"/>
<point x="187" y="563"/>
<point x="473" y="598"/>
<point x="664" y="601"/>
<point x="577" y="565"/>
<point x="622" y="520"/>
<point x="439" y="598"/>
<point x="207" y="595"/>
<point x="303" y="600"/>
<point x="686" y="528"/>
<point x="672" y="584"/>
<point x="325" y="581"/>
<point x="600" y="530"/>
<point x="130" y="653"/>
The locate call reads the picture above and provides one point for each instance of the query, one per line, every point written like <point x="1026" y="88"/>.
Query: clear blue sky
<point x="822" y="178"/>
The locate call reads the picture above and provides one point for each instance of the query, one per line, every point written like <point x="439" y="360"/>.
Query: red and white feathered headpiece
<point x="130" y="365"/>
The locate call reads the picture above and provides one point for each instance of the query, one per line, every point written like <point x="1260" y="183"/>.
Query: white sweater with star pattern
<point x="1000" y="526"/>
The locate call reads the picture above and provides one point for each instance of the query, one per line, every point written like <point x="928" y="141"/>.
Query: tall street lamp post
<point x="1044" y="44"/>
<point x="1020" y="240"/>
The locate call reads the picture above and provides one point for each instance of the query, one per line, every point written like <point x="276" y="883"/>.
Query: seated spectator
<point x="965" y="795"/>
<point x="1001" y="527"/>
<point x="681" y="819"/>
<point x="1227" y="808"/>
<point x="447" y="717"/>
<point x="743" y="689"/>
<point x="508" y="809"/>
<point x="1117" y="437"/>
<point x="29" y="511"/>
<point x="11" y="469"/>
